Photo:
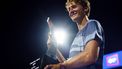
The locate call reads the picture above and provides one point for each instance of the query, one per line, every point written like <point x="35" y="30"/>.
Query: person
<point x="86" y="51"/>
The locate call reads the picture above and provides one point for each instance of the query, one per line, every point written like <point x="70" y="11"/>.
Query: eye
<point x="71" y="7"/>
<point x="74" y="6"/>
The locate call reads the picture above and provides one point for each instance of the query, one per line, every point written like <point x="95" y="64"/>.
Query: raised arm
<point x="59" y="55"/>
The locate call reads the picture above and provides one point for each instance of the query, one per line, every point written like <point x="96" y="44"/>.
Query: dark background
<point x="24" y="29"/>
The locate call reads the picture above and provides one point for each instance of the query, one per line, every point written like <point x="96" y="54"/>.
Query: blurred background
<point x="24" y="30"/>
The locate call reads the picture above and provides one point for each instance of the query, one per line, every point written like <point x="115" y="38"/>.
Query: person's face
<point x="75" y="11"/>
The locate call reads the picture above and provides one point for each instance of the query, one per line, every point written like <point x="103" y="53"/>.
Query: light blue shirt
<point x="92" y="31"/>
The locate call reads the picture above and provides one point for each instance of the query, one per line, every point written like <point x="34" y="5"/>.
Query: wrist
<point x="63" y="65"/>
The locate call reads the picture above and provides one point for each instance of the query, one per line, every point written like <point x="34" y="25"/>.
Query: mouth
<point x="73" y="13"/>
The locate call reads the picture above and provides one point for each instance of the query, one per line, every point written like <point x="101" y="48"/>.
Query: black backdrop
<point x="24" y="28"/>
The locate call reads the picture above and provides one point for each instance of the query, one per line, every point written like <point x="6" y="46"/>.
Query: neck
<point x="82" y="22"/>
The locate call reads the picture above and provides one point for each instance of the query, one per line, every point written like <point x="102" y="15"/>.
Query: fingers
<point x="48" y="67"/>
<point x="48" y="18"/>
<point x="49" y="22"/>
<point x="53" y="66"/>
<point x="49" y="35"/>
<point x="49" y="39"/>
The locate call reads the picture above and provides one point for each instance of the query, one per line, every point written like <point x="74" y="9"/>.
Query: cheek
<point x="80" y="11"/>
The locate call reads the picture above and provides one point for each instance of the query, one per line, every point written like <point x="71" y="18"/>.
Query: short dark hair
<point x="84" y="3"/>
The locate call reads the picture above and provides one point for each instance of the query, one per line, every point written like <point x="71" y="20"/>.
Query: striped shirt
<point x="92" y="31"/>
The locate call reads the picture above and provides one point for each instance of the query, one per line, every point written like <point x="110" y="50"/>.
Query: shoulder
<point x="94" y="23"/>
<point x="92" y="27"/>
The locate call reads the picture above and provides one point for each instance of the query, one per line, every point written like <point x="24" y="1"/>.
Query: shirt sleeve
<point x="94" y="31"/>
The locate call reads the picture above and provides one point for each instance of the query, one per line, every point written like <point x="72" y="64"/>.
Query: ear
<point x="86" y="9"/>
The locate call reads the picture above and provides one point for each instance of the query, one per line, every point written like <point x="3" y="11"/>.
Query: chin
<point x="75" y="19"/>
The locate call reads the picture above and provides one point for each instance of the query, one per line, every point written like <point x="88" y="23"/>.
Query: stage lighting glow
<point x="60" y="36"/>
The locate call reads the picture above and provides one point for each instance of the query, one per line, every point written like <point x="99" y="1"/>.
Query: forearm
<point x="85" y="58"/>
<point x="80" y="60"/>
